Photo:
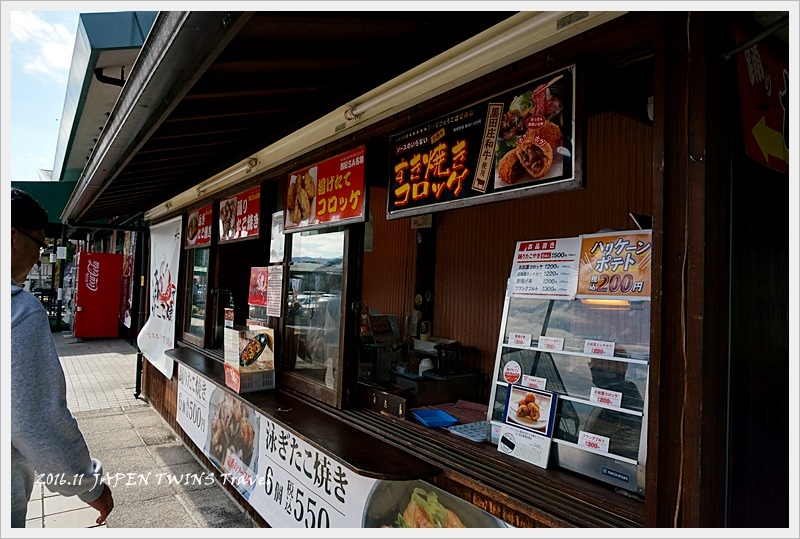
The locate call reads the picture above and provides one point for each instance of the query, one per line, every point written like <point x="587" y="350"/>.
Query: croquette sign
<point x="329" y="193"/>
<point x="519" y="143"/>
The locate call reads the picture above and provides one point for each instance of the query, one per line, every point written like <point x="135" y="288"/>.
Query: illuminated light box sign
<point x="518" y="143"/>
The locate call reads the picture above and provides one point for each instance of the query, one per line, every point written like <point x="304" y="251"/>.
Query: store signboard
<point x="239" y="216"/>
<point x="303" y="487"/>
<point x="326" y="194"/>
<point x="764" y="96"/>
<point x="546" y="269"/>
<point x="198" y="228"/>
<point x="615" y="266"/>
<point x="518" y="143"/>
<point x="294" y="484"/>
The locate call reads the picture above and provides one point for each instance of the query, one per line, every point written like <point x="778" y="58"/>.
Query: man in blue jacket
<point x="46" y="442"/>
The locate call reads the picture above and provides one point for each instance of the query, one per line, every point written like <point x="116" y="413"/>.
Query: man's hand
<point x="104" y="503"/>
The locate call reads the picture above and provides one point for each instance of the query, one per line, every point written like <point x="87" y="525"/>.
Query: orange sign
<point x="615" y="265"/>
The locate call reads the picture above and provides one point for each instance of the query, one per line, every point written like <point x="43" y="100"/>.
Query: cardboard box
<point x="249" y="358"/>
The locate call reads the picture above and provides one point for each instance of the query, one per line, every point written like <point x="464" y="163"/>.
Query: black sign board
<point x="518" y="143"/>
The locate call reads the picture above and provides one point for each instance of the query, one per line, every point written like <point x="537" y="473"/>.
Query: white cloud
<point x="41" y="47"/>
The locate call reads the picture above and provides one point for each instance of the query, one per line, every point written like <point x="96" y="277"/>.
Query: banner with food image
<point x="518" y="143"/>
<point x="327" y="193"/>
<point x="239" y="216"/>
<point x="198" y="228"/>
<point x="231" y="442"/>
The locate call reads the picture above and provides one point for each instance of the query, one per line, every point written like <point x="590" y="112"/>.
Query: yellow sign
<point x="615" y="265"/>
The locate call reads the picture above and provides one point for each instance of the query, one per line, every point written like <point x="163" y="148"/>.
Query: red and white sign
<point x="546" y="269"/>
<point x="198" y="227"/>
<point x="551" y="343"/>
<point x="598" y="348"/>
<point x="604" y="396"/>
<point x="534" y="382"/>
<point x="595" y="442"/>
<point x="258" y="287"/>
<point x="519" y="339"/>
<point x="512" y="372"/>
<point x="239" y="216"/>
<point x="330" y="192"/>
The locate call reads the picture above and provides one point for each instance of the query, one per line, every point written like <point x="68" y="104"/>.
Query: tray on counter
<point x="434" y="418"/>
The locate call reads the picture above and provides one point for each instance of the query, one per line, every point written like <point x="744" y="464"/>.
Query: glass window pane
<point x="314" y="306"/>
<point x="196" y="292"/>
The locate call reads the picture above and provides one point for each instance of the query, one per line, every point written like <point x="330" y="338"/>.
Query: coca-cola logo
<point x="92" y="275"/>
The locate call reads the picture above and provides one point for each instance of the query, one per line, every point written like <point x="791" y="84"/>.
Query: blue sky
<point x="40" y="45"/>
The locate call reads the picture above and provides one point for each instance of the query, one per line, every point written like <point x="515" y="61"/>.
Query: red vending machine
<point x="97" y="293"/>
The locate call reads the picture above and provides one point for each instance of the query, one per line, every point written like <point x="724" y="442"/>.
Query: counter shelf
<point x="362" y="453"/>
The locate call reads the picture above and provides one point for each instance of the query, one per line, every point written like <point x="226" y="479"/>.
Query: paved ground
<point x="155" y="479"/>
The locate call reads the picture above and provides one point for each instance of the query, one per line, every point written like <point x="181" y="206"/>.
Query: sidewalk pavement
<point x="155" y="480"/>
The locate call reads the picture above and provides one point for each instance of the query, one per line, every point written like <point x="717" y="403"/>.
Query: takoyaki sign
<point x="239" y="216"/>
<point x="518" y="143"/>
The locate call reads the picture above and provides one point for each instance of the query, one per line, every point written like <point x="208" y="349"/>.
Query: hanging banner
<point x="239" y="216"/>
<point x="615" y="265"/>
<point x="198" y="228"/>
<point x="546" y="269"/>
<point x="515" y="144"/>
<point x="158" y="333"/>
<point x="329" y="193"/>
<point x="126" y="285"/>
<point x="764" y="95"/>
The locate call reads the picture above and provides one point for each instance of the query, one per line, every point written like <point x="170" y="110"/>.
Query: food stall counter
<point x="362" y="453"/>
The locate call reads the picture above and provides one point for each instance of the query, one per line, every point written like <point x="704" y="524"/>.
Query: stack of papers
<point x="476" y="432"/>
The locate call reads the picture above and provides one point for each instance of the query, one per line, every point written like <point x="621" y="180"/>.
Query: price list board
<point x="546" y="269"/>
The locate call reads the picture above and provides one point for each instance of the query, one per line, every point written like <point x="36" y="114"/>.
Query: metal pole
<point x="61" y="264"/>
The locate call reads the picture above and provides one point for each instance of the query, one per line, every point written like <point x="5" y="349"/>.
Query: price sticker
<point x="594" y="442"/>
<point x="519" y="339"/>
<point x="534" y="382"/>
<point x="238" y="472"/>
<point x="604" y="396"/>
<point x="551" y="343"/>
<point x="598" y="348"/>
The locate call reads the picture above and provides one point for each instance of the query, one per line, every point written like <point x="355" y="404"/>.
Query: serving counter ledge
<point x="361" y="452"/>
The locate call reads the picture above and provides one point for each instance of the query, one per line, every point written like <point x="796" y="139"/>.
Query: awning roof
<point x="52" y="195"/>
<point x="212" y="88"/>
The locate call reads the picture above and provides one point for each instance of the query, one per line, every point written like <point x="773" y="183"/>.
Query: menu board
<point x="518" y="143"/>
<point x="239" y="216"/>
<point x="546" y="269"/>
<point x="615" y="265"/>
<point x="274" y="291"/>
<point x="327" y="193"/>
<point x="198" y="228"/>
